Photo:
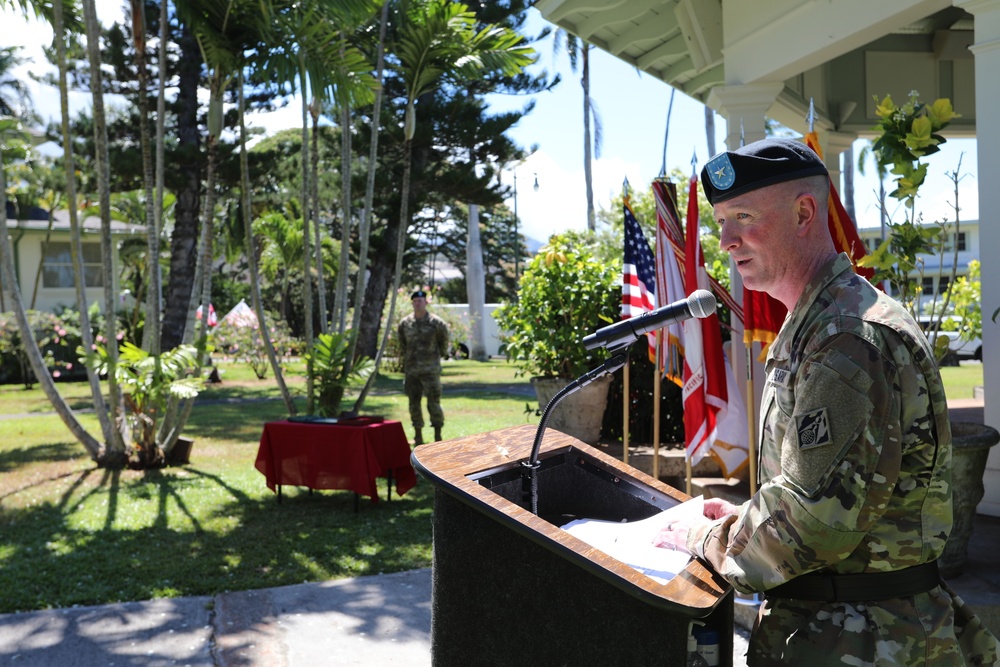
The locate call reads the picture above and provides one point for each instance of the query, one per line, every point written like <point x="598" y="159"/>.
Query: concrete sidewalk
<point x="377" y="620"/>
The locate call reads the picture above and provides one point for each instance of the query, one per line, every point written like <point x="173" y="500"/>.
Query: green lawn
<point x="74" y="534"/>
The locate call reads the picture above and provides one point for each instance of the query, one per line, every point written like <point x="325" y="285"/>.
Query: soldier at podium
<point x="853" y="505"/>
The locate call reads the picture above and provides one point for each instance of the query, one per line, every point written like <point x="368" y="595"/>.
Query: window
<point x="57" y="265"/>
<point x="943" y="283"/>
<point x="928" y="285"/>
<point x="949" y="244"/>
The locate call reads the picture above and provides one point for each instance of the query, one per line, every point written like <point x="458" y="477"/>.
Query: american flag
<point x="638" y="277"/>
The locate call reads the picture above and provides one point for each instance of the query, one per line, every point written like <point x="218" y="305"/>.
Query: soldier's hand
<point x="672" y="536"/>
<point x="717" y="508"/>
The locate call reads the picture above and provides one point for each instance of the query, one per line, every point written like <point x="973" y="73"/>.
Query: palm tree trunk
<point x="104" y="197"/>
<point x="347" y="220"/>
<point x="306" y="249"/>
<point x="96" y="450"/>
<point x="251" y="251"/>
<point x="314" y="197"/>
<point x="849" y="182"/>
<point x="404" y="213"/>
<point x="710" y="131"/>
<point x="364" y="233"/>
<point x="86" y="334"/>
<point x="588" y="172"/>
<point x="152" y="327"/>
<point x="154" y="309"/>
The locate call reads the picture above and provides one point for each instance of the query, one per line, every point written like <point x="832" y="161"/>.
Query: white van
<point x="963" y="349"/>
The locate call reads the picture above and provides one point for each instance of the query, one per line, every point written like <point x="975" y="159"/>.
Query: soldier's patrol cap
<point x="418" y="293"/>
<point x="758" y="165"/>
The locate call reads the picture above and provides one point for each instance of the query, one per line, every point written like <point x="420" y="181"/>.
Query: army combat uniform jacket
<point x="423" y="342"/>
<point x="854" y="477"/>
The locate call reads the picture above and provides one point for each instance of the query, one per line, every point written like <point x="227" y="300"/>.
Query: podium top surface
<point x="457" y="466"/>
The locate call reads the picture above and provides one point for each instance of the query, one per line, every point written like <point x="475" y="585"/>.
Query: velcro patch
<point x="813" y="429"/>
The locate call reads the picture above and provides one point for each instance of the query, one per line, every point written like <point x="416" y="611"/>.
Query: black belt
<point x="860" y="587"/>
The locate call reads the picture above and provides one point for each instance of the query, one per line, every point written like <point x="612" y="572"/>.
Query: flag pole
<point x="625" y="410"/>
<point x="656" y="406"/>
<point x="752" y="440"/>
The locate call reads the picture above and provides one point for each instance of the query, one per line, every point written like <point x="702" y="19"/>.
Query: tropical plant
<point x="331" y="375"/>
<point x="568" y="290"/>
<point x="908" y="133"/>
<point x="148" y="382"/>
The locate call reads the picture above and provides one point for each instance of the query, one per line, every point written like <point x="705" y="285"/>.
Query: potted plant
<point x="908" y="133"/>
<point x="568" y="290"/>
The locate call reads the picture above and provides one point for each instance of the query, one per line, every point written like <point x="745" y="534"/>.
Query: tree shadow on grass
<point x="203" y="537"/>
<point x="11" y="459"/>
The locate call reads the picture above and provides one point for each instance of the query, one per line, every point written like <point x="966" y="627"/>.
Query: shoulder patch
<point x="813" y="429"/>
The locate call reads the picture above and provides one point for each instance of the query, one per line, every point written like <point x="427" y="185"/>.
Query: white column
<point x="987" y="58"/>
<point x="834" y="144"/>
<point x="744" y="106"/>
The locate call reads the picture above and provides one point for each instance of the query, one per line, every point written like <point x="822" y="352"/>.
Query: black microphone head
<point x="701" y="303"/>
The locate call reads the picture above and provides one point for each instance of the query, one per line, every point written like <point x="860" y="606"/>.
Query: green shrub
<point x="568" y="290"/>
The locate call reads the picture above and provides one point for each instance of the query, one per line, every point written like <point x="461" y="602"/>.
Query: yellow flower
<point x="885" y="108"/>
<point x="941" y="112"/>
<point x="919" y="136"/>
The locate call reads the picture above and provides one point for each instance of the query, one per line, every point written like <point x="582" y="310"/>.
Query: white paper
<point x="632" y="542"/>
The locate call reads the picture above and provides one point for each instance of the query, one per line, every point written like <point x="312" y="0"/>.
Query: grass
<point x="73" y="534"/>
<point x="959" y="381"/>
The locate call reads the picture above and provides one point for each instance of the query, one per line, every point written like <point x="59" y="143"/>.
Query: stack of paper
<point x="632" y="542"/>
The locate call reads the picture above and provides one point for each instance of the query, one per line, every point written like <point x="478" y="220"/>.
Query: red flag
<point x="762" y="317"/>
<point x="842" y="229"/>
<point x="704" y="390"/>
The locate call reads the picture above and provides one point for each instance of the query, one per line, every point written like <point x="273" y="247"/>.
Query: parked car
<point x="961" y="348"/>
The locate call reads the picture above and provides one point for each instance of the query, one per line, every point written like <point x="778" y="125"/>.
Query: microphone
<point x="700" y="304"/>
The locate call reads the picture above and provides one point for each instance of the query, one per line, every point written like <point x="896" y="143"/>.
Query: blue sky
<point x="633" y="109"/>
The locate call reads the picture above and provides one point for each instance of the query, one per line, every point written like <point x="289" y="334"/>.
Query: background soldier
<point x="423" y="340"/>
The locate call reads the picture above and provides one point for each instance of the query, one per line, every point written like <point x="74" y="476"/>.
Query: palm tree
<point x="438" y="42"/>
<point x="252" y="253"/>
<point x="312" y="56"/>
<point x="104" y="198"/>
<point x="15" y="99"/>
<point x="579" y="52"/>
<point x="9" y="129"/>
<point x="152" y="328"/>
<point x="366" y="222"/>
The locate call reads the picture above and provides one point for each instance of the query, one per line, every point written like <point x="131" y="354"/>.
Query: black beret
<point x="418" y="293"/>
<point x="758" y="165"/>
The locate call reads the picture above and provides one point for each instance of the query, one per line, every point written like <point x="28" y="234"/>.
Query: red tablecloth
<point x="334" y="456"/>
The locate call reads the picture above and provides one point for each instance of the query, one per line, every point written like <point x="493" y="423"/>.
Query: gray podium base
<point x="500" y="598"/>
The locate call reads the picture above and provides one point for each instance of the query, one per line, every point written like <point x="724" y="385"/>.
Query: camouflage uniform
<point x="855" y="474"/>
<point x="422" y="343"/>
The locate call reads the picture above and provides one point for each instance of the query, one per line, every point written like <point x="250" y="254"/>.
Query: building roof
<point x="37" y="218"/>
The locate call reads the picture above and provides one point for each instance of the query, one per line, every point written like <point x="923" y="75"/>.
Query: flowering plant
<point x="908" y="133"/>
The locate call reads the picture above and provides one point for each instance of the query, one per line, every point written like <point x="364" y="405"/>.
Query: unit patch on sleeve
<point x="813" y="429"/>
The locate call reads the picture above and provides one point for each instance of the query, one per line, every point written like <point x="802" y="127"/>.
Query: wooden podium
<point x="512" y="587"/>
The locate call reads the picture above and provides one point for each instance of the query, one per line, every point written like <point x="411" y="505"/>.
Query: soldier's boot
<point x="437" y="433"/>
<point x="418" y="438"/>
